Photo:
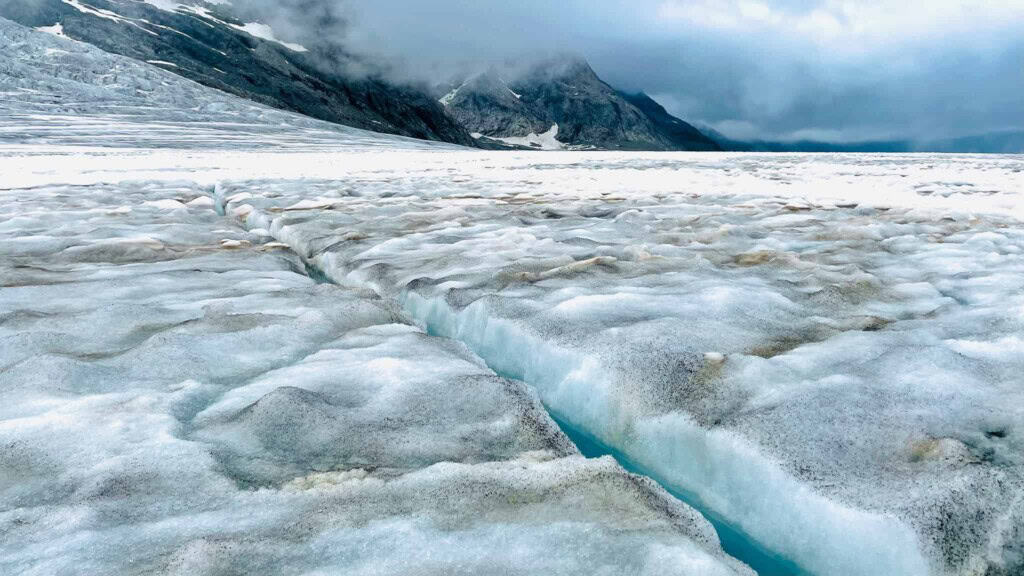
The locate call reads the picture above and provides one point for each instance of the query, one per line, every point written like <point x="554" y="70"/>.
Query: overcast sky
<point x="824" y="69"/>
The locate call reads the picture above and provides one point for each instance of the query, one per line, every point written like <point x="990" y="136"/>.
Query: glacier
<point x="236" y="339"/>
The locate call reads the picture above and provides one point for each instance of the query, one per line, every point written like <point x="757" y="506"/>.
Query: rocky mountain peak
<point x="566" y="99"/>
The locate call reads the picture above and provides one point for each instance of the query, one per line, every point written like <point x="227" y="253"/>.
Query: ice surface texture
<point x="825" y="350"/>
<point x="178" y="396"/>
<point x="833" y="377"/>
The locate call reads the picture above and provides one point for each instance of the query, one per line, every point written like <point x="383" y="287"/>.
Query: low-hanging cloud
<point x="321" y="26"/>
<point x="832" y="69"/>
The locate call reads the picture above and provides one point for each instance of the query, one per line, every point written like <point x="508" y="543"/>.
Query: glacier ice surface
<point x="823" y="350"/>
<point x="801" y="365"/>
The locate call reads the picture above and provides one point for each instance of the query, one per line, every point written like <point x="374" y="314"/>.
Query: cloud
<point x="772" y="69"/>
<point x="848" y="25"/>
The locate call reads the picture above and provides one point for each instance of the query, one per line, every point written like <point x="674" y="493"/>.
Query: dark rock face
<point x="589" y="113"/>
<point x="203" y="46"/>
<point x="486" y="105"/>
<point x="679" y="132"/>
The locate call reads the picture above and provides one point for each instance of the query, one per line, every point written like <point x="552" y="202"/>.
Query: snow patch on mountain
<point x="98" y="12"/>
<point x="254" y="29"/>
<point x="57" y="30"/>
<point x="447" y="98"/>
<point x="197" y="6"/>
<point x="265" y="32"/>
<point x="108" y="15"/>
<point x="545" y="141"/>
<point x="168" y="5"/>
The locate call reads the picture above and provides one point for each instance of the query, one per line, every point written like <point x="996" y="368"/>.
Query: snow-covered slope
<point x="205" y="42"/>
<point x="58" y="91"/>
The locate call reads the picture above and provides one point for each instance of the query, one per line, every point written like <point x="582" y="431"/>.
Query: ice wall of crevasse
<point x="178" y="398"/>
<point x="510" y="357"/>
<point x="724" y="473"/>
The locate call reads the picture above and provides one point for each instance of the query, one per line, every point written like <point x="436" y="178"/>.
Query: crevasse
<point x="774" y="516"/>
<point x="719" y="472"/>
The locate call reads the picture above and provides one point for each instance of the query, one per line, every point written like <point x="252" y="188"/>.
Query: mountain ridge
<point x="553" y="104"/>
<point x="203" y="43"/>
<point x="997" y="142"/>
<point x="567" y="101"/>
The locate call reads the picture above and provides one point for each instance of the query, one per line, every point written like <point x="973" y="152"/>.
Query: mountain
<point x="203" y="42"/>
<point x="556" y="104"/>
<point x="734" y="145"/>
<point x="486" y="105"/>
<point x="684" y="135"/>
<point x="563" y="103"/>
<point x="1002" y="142"/>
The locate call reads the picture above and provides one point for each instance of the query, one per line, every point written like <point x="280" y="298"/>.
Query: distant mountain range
<point x="1003" y="142"/>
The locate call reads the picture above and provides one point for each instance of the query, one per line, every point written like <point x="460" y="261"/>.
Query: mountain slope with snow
<point x="62" y="92"/>
<point x="485" y="104"/>
<point x="568" y="94"/>
<point x="203" y="42"/>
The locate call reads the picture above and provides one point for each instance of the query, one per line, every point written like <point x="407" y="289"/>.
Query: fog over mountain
<point x="758" y="74"/>
<point x="791" y="70"/>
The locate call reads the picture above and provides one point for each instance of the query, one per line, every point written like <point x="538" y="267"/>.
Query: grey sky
<point x="827" y="69"/>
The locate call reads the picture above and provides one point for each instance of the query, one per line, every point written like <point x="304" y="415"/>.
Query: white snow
<point x="265" y="32"/>
<point x="447" y="98"/>
<point x="255" y="29"/>
<point x="98" y="12"/>
<point x="545" y="141"/>
<point x="106" y="15"/>
<point x="162" y="63"/>
<point x="167" y="5"/>
<point x="57" y="30"/>
<point x="195" y="7"/>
